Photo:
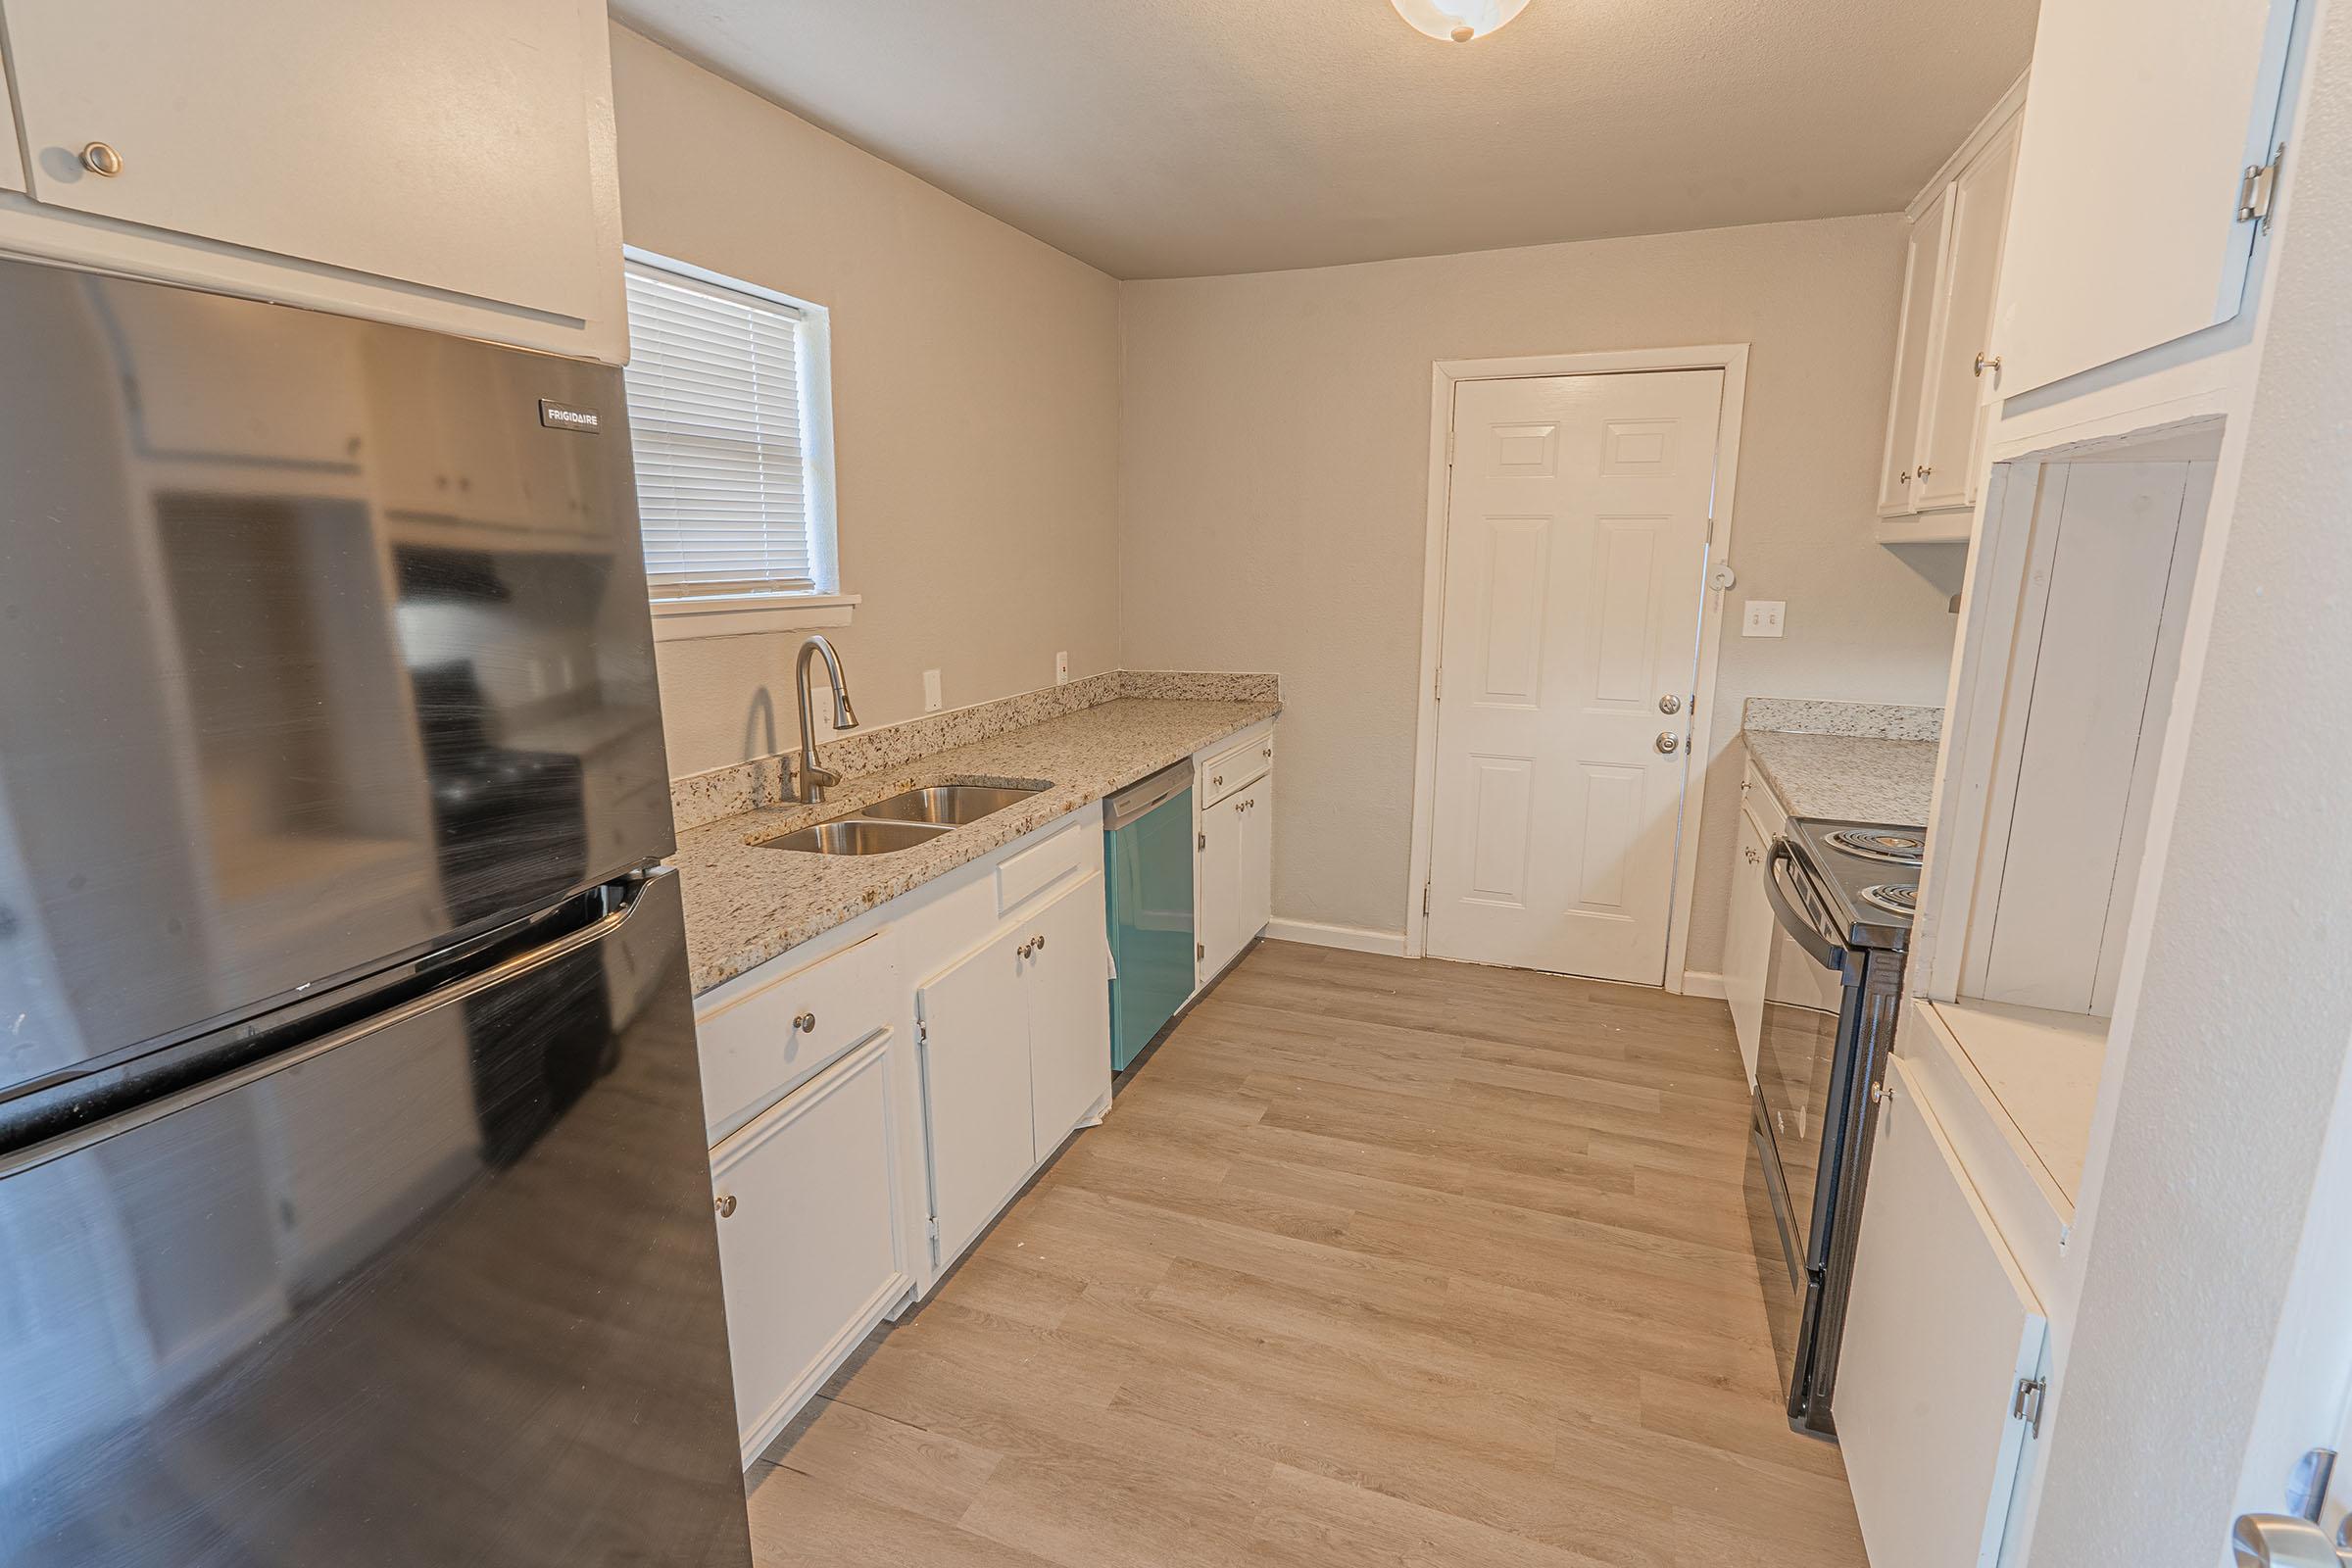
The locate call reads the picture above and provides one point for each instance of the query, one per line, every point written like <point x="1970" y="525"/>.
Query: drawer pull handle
<point x="102" y="160"/>
<point x="1214" y="782"/>
<point x="805" y="1024"/>
<point x="726" y="1206"/>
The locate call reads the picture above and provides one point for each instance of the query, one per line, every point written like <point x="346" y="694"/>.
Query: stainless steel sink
<point x="951" y="804"/>
<point x="855" y="838"/>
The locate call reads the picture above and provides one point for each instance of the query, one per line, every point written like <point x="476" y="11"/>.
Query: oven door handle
<point x="1828" y="954"/>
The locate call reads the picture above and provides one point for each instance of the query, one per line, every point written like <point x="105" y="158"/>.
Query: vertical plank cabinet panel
<point x="974" y="1019"/>
<point x="1747" y="944"/>
<point x="808" y="1233"/>
<point x="2144" y="116"/>
<point x="474" y="112"/>
<point x="1939" y="1329"/>
<point x="1954" y="420"/>
<point x="1922" y="275"/>
<point x="1257" y="860"/>
<point x="2081" y="739"/>
<point x="1069" y="1013"/>
<point x="12" y="153"/>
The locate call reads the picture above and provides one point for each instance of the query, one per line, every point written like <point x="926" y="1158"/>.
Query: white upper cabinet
<point x="1953" y="420"/>
<point x="12" y="159"/>
<point x="1953" y="261"/>
<point x="2145" y="117"/>
<point x="443" y="163"/>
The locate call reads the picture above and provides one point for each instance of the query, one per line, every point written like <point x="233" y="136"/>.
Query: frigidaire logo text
<point x="556" y="416"/>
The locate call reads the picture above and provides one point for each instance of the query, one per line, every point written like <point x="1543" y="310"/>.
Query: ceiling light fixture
<point x="1458" y="21"/>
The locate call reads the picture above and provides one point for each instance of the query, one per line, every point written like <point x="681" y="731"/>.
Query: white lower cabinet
<point x="1016" y="1051"/>
<point x="1939" y="1384"/>
<point x="809" y="1233"/>
<point x="1748" y="943"/>
<point x="1234" y="859"/>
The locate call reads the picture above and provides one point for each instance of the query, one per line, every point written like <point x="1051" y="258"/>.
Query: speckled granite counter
<point x="1851" y="778"/>
<point x="746" y="905"/>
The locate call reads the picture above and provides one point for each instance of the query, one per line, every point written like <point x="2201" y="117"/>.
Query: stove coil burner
<point x="1892" y="848"/>
<point x="1895" y="898"/>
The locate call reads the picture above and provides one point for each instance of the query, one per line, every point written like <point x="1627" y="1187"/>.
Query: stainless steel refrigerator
<point x="354" y="1200"/>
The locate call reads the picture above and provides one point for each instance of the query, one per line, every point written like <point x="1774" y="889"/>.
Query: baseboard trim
<point x="1702" y="983"/>
<point x="1354" y="937"/>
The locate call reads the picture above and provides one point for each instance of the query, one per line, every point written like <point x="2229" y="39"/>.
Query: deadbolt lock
<point x="1670" y="703"/>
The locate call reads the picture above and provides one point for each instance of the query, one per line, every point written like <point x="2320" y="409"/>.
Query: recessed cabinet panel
<point x="327" y="133"/>
<point x="1955" y="406"/>
<point x="1258" y="858"/>
<point x="1922" y="275"/>
<point x="2144" y="116"/>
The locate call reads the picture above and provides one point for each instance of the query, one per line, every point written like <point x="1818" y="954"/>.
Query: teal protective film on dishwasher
<point x="1149" y="863"/>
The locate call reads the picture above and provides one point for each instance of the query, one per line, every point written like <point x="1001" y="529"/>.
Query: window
<point x="728" y="415"/>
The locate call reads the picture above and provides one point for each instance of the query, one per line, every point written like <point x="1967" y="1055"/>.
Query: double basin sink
<point x="904" y="821"/>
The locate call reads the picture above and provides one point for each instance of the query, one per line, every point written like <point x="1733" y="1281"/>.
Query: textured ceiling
<point x="1170" y="138"/>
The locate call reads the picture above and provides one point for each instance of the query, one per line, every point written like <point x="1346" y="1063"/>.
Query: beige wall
<point x="975" y="400"/>
<point x="1273" y="485"/>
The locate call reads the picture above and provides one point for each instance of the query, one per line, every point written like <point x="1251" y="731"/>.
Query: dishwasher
<point x="1148" y="865"/>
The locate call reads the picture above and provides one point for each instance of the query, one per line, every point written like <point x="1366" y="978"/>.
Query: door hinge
<point x="1200" y="951"/>
<point x="2025" y="1407"/>
<point x="2255" y="190"/>
<point x="1437" y="684"/>
<point x="922" y="1032"/>
<point x="1424" y="901"/>
<point x="1449" y="448"/>
<point x="1200" y="841"/>
<point x="933" y="1228"/>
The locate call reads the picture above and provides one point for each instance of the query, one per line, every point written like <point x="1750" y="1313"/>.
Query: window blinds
<point x="714" y="422"/>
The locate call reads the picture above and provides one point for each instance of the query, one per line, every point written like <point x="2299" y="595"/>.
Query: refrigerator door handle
<point x="501" y="972"/>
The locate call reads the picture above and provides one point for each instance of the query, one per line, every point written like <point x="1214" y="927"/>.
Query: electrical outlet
<point x="1764" y="617"/>
<point x="1061" y="669"/>
<point x="930" y="691"/>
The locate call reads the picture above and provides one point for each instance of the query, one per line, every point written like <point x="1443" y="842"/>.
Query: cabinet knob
<point x="805" y="1024"/>
<point x="1268" y="752"/>
<point x="1026" y="948"/>
<point x="726" y="1206"/>
<point x="1040" y="942"/>
<point x="1925" y="470"/>
<point x="1214" y="782"/>
<point x="1988" y="361"/>
<point x="1904" y="477"/>
<point x="102" y="160"/>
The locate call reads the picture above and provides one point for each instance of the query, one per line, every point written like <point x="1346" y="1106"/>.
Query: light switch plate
<point x="1061" y="669"/>
<point x="930" y="691"/>
<point x="1764" y="617"/>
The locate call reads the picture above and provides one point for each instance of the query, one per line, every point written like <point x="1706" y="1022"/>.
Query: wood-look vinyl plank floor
<point x="1374" y="1263"/>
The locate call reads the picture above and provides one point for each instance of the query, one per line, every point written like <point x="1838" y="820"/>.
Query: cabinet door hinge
<point x="1200" y="951"/>
<point x="1424" y="901"/>
<point x="1450" y="449"/>
<point x="1200" y="841"/>
<point x="2255" y="190"/>
<point x="933" y="1229"/>
<point x="2025" y="1407"/>
<point x="922" y="1032"/>
<point x="1437" y="684"/>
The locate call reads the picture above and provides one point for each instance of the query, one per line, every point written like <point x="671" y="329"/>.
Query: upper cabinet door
<point x="12" y="160"/>
<point x="330" y="133"/>
<point x="2143" y="118"/>
<point x="1922" y="278"/>
<point x="1955" y="407"/>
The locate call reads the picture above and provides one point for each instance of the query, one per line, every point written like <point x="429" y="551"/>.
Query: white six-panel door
<point x="1576" y="544"/>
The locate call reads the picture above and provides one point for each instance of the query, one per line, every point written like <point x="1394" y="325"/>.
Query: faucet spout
<point x="812" y="777"/>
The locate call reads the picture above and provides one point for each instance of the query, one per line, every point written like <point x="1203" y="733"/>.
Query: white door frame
<point x="1731" y="359"/>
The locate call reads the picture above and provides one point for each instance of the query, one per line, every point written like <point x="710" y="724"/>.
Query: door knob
<point x="1668" y="742"/>
<point x="1670" y="703"/>
<point x="2282" y="1541"/>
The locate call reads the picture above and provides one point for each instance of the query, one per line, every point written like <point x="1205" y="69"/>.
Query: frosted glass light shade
<point x="1458" y="21"/>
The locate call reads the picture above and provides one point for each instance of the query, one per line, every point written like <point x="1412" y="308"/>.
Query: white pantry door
<point x="1576" y="541"/>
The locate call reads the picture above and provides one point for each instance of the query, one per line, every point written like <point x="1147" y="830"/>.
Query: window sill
<point x="747" y="615"/>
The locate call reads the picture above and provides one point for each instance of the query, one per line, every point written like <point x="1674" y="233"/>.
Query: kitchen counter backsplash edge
<point x="1805" y="716"/>
<point x="699" y="798"/>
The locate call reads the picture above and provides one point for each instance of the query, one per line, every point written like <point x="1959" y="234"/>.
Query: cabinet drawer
<point x="1069" y="852"/>
<point x="761" y="1041"/>
<point x="1235" y="768"/>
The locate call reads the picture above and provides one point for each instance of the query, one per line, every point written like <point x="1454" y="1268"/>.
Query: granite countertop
<point x="746" y="905"/>
<point x="1847" y="778"/>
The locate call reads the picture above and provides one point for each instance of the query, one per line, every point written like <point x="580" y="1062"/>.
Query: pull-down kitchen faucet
<point x="808" y="786"/>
